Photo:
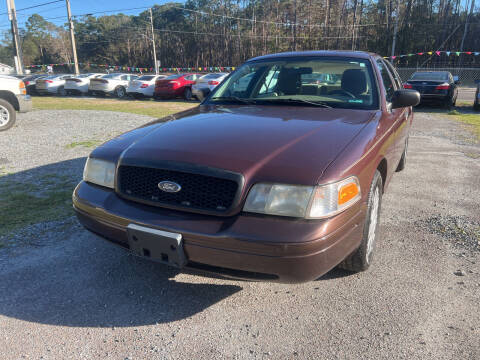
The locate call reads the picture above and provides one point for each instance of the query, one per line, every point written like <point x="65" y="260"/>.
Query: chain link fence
<point x="467" y="76"/>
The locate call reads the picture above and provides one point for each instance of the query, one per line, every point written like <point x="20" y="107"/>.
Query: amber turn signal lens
<point x="22" y="85"/>
<point x="347" y="192"/>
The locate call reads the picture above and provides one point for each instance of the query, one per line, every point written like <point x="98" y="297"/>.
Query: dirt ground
<point x="65" y="294"/>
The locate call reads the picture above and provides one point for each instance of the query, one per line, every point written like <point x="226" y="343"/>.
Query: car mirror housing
<point x="405" y="98"/>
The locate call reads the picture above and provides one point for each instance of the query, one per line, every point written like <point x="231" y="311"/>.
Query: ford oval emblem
<point x="169" y="186"/>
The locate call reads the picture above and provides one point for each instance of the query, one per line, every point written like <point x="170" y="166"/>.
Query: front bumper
<point x="245" y="246"/>
<point x="24" y="103"/>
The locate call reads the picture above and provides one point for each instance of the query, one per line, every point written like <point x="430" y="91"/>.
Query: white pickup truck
<point x="13" y="98"/>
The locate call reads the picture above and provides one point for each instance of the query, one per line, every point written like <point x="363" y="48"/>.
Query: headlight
<point x="311" y="202"/>
<point x="99" y="172"/>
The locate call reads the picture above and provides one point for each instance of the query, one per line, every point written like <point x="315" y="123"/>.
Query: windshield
<point x="429" y="76"/>
<point x="327" y="81"/>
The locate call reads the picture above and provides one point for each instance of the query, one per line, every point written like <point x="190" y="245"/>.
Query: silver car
<point x="114" y="84"/>
<point x="52" y="85"/>
<point x="209" y="81"/>
<point x="78" y="85"/>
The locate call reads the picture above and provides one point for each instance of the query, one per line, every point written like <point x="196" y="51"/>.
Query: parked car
<point x="78" y="85"/>
<point x="113" y="84"/>
<point x="209" y="81"/>
<point x="30" y="82"/>
<point x="144" y="86"/>
<point x="52" y="85"/>
<point x="177" y="85"/>
<point x="258" y="181"/>
<point x="476" y="101"/>
<point x="434" y="86"/>
<point x="13" y="98"/>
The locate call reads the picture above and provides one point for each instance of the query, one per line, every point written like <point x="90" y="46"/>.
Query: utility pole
<point x="153" y="44"/>
<point x="395" y="29"/>
<point x="12" y="16"/>
<point x="72" y="38"/>
<point x="466" y="24"/>
<point x="295" y="26"/>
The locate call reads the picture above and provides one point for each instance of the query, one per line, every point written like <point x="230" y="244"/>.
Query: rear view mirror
<point x="405" y="98"/>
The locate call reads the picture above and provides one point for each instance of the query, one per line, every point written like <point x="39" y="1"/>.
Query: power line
<point x="43" y="4"/>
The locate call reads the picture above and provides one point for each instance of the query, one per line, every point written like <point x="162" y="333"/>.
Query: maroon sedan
<point x="174" y="86"/>
<point x="271" y="177"/>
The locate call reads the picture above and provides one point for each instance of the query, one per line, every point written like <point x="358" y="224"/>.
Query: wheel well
<point x="382" y="168"/>
<point x="11" y="98"/>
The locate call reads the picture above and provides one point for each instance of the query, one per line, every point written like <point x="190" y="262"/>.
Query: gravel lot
<point x="66" y="294"/>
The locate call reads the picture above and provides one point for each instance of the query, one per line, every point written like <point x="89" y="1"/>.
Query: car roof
<point x="342" y="53"/>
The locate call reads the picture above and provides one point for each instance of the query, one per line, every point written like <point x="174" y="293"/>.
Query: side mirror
<point x="456" y="80"/>
<point x="405" y="98"/>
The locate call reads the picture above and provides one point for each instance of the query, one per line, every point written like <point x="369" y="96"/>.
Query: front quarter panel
<point x="363" y="154"/>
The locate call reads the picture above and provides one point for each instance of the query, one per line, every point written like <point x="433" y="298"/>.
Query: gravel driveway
<point x="66" y="294"/>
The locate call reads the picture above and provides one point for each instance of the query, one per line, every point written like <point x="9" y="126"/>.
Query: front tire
<point x="7" y="115"/>
<point x="361" y="258"/>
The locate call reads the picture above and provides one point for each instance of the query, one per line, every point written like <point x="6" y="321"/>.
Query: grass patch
<point x="149" y="107"/>
<point x="86" y="144"/>
<point x="48" y="198"/>
<point x="473" y="120"/>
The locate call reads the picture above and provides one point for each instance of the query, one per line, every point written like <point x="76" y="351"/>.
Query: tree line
<point x="227" y="32"/>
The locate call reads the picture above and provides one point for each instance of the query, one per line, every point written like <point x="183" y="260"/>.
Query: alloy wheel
<point x="4" y="116"/>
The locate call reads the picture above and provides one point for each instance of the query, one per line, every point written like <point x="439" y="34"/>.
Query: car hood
<point x="287" y="144"/>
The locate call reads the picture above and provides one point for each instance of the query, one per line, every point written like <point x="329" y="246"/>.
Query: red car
<point x="177" y="85"/>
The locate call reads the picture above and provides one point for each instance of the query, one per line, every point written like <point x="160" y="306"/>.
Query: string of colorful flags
<point x="140" y="69"/>
<point x="231" y="68"/>
<point x="437" y="53"/>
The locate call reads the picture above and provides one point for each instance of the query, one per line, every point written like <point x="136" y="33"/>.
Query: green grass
<point x="86" y="144"/>
<point x="48" y="198"/>
<point x="472" y="120"/>
<point x="149" y="107"/>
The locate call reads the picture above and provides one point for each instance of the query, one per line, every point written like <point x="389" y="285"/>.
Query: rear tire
<point x="449" y="103"/>
<point x="120" y="92"/>
<point x="476" y="106"/>
<point x="61" y="91"/>
<point x="187" y="94"/>
<point x="7" y="115"/>
<point x="361" y="258"/>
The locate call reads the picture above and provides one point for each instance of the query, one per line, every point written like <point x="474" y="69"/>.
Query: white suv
<point x="113" y="84"/>
<point x="13" y="97"/>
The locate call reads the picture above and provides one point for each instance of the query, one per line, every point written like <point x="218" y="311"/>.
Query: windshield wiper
<point x="299" y="101"/>
<point x="236" y="99"/>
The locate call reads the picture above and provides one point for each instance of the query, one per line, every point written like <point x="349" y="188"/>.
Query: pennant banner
<point x="139" y="69"/>
<point x="437" y="53"/>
